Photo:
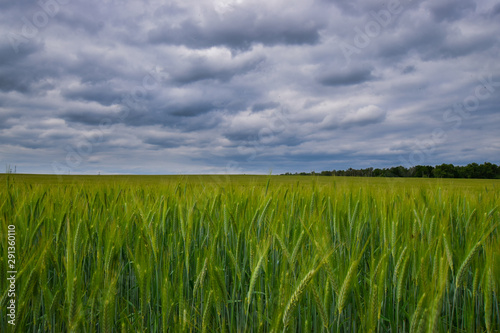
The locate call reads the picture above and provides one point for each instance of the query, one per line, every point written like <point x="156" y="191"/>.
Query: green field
<point x="251" y="254"/>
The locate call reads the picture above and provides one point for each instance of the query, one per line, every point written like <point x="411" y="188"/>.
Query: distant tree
<point x="423" y="171"/>
<point x="445" y="171"/>
<point x="438" y="172"/>
<point x="368" y="172"/>
<point x="487" y="170"/>
<point x="399" y="171"/>
<point x="472" y="170"/>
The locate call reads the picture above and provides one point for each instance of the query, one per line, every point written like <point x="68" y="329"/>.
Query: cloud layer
<point x="236" y="86"/>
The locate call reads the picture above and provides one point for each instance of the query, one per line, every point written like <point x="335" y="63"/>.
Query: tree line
<point x="473" y="170"/>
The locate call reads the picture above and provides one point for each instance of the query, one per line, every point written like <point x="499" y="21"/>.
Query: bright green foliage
<point x="251" y="254"/>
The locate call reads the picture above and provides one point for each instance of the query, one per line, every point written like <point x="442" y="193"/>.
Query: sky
<point x="255" y="87"/>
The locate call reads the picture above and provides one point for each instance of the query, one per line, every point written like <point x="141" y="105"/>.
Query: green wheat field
<point x="251" y="254"/>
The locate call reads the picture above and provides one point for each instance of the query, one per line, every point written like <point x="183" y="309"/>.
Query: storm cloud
<point x="236" y="86"/>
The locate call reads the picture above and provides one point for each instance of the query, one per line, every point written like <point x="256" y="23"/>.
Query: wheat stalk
<point x="321" y="308"/>
<point x="206" y="314"/>
<point x="398" y="265"/>
<point x="401" y="281"/>
<point x="253" y="279"/>
<point x="346" y="285"/>
<point x="465" y="265"/>
<point x="415" y="320"/>
<point x="292" y="303"/>
<point x="448" y="252"/>
<point x="297" y="248"/>
<point x="373" y="312"/>
<point x="488" y="293"/>
<point x="201" y="277"/>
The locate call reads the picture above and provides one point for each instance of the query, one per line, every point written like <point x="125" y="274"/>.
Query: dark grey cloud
<point x="17" y="71"/>
<point x="346" y="78"/>
<point x="87" y="116"/>
<point x="81" y="21"/>
<point x="190" y="110"/>
<point x="431" y="41"/>
<point x="448" y="10"/>
<point x="408" y="69"/>
<point x="495" y="10"/>
<point x="239" y="28"/>
<point x="98" y="67"/>
<point x="164" y="140"/>
<point x="240" y="87"/>
<point x="356" y="8"/>
<point x="25" y="80"/>
<point x="100" y="93"/>
<point x="202" y="68"/>
<point x="170" y="11"/>
<point x="6" y="118"/>
<point x="243" y="37"/>
<point x="7" y="55"/>
<point x="265" y="106"/>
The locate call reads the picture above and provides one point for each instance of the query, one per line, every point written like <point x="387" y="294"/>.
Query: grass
<point x="251" y="253"/>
